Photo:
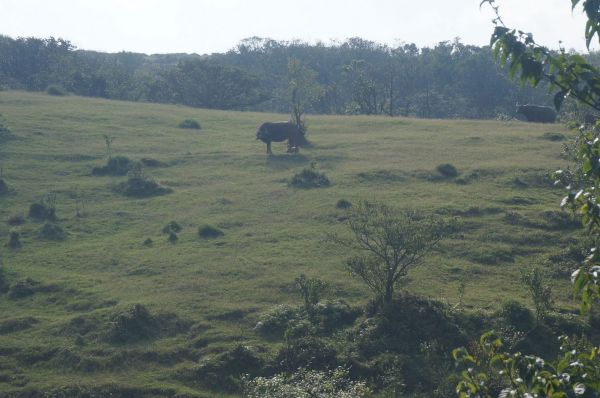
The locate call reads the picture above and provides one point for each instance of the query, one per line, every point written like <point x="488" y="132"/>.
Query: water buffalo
<point x="278" y="132"/>
<point x="537" y="113"/>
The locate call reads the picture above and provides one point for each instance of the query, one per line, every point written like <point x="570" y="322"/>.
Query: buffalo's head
<point x="262" y="133"/>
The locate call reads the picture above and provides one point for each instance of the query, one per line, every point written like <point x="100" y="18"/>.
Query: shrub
<point x="172" y="226"/>
<point x="52" y="231"/>
<point x="515" y="314"/>
<point x="309" y="178"/>
<point x="16" y="324"/>
<point x="3" y="187"/>
<point x="132" y="325"/>
<point x="343" y="204"/>
<point x="16" y="219"/>
<point x="148" y="242"/>
<point x="115" y="166"/>
<point x="14" y="241"/>
<point x="55" y="89"/>
<point x="447" y="170"/>
<point x="4" y="286"/>
<point x="274" y="323"/>
<point x="189" y="124"/>
<point x="332" y="315"/>
<point x="23" y="289"/>
<point x="307" y="352"/>
<point x="173" y="237"/>
<point x="139" y="185"/>
<point x="208" y="231"/>
<point x="224" y="371"/>
<point x="45" y="209"/>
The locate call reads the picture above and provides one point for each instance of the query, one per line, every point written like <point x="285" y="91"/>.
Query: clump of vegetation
<point x="224" y="371"/>
<point x="189" y="124"/>
<point x="16" y="324"/>
<point x="303" y="383"/>
<point x="55" y="89"/>
<point x="4" y="286"/>
<point x="553" y="136"/>
<point x="515" y="314"/>
<point x="45" y="209"/>
<point x="148" y="242"/>
<point x="173" y="237"/>
<point x="309" y="178"/>
<point x="172" y="226"/>
<point x="132" y="325"/>
<point x="115" y="166"/>
<point x="51" y="231"/>
<point x="343" y="204"/>
<point x="25" y="288"/>
<point x="3" y="187"/>
<point x="209" y="231"/>
<point x="14" y="241"/>
<point x="17" y="219"/>
<point x="447" y="170"/>
<point x="140" y="185"/>
<point x="149" y="162"/>
<point x="540" y="291"/>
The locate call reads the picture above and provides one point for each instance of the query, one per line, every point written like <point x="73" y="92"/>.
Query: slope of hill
<point x="64" y="320"/>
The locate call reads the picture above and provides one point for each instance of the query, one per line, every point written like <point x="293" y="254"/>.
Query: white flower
<point x="574" y="276"/>
<point x="579" y="389"/>
<point x="565" y="377"/>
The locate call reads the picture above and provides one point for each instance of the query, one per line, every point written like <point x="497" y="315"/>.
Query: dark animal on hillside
<point x="537" y="113"/>
<point x="590" y="119"/>
<point x="278" y="132"/>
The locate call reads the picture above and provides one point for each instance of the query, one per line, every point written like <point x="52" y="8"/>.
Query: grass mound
<point x="51" y="231"/>
<point x="132" y="325"/>
<point x="343" y="204"/>
<point x="309" y="178"/>
<point x="117" y="166"/>
<point x="140" y="185"/>
<point x="447" y="170"/>
<point x="189" y="124"/>
<point x="56" y="90"/>
<point x="553" y="136"/>
<point x="28" y="287"/>
<point x="12" y="325"/>
<point x="208" y="231"/>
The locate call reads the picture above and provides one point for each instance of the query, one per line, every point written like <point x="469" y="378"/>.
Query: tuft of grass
<point x="208" y="231"/>
<point x="51" y="231"/>
<point x="14" y="240"/>
<point x="132" y="325"/>
<point x="447" y="170"/>
<point x="554" y="136"/>
<point x="189" y="124"/>
<point x="3" y="187"/>
<point x="16" y="219"/>
<point x="309" y="178"/>
<point x="172" y="226"/>
<point x="140" y="185"/>
<point x="343" y="204"/>
<point x="56" y="90"/>
<point x="115" y="166"/>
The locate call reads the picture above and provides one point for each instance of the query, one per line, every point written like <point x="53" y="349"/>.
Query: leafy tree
<point x="311" y="290"/>
<point x="390" y="243"/>
<point x="536" y="283"/>
<point x="301" y="90"/>
<point x="489" y="372"/>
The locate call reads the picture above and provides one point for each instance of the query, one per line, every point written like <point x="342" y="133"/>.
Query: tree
<point x="390" y="244"/>
<point x="301" y="90"/>
<point x="577" y="371"/>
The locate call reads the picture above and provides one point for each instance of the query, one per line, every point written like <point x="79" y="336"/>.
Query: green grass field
<point x="220" y="175"/>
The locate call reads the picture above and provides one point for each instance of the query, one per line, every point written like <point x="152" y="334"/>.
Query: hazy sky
<point x="206" y="26"/>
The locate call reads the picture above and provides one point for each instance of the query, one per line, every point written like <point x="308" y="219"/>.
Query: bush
<point x="332" y="315"/>
<point x="189" y="124"/>
<point x="172" y="226"/>
<point x="3" y="187"/>
<point x="447" y="170"/>
<point x="52" y="231"/>
<point x="55" y="89"/>
<point x="17" y="219"/>
<point x="4" y="286"/>
<point x="173" y="237"/>
<point x="208" y="231"/>
<point x="309" y="178"/>
<point x="515" y="314"/>
<point x="115" y="166"/>
<point x="132" y="325"/>
<point x="23" y="289"/>
<point x="139" y="185"/>
<point x="274" y="323"/>
<point x="14" y="241"/>
<point x="224" y="371"/>
<point x="45" y="209"/>
<point x="307" y="352"/>
<point x="148" y="242"/>
<point x="343" y="204"/>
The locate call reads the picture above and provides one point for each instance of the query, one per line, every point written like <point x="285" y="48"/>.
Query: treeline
<point x="353" y="77"/>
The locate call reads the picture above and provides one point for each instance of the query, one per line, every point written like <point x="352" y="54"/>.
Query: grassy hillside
<point x="220" y="175"/>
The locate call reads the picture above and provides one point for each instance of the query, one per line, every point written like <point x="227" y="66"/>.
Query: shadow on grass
<point x="286" y="161"/>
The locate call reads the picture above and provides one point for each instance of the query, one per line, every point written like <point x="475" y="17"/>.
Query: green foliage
<point x="311" y="290"/>
<point x="115" y="166"/>
<point x="189" y="124"/>
<point x="536" y="282"/>
<point x="209" y="231"/>
<point x="56" y="90"/>
<point x="390" y="243"/>
<point x="172" y="226"/>
<point x="309" y="178"/>
<point x="334" y="383"/>
<point x="225" y="371"/>
<point x="516" y="315"/>
<point x="4" y="285"/>
<point x="3" y="187"/>
<point x="17" y="219"/>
